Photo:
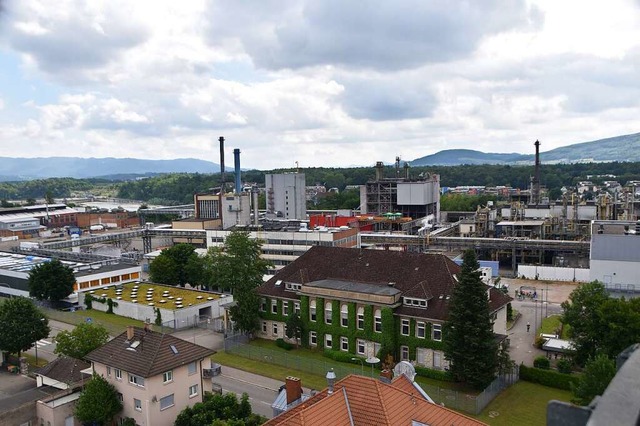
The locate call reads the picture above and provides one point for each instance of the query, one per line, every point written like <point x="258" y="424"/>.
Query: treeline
<point x="42" y="188"/>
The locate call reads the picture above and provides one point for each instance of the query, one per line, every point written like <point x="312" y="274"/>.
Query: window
<point x="313" y="338"/>
<point x="193" y="391"/>
<point x="377" y="321"/>
<point x="264" y="326"/>
<point x="437" y="332"/>
<point x="404" y="353"/>
<point x="108" y="371"/>
<point x="167" y="376"/>
<point x="285" y="308"/>
<point x="136" y="380"/>
<point x="118" y="373"/>
<point x="120" y="397"/>
<point x="344" y="344"/>
<point x="404" y="327"/>
<point x="192" y="368"/>
<point x="312" y="310"/>
<point x="263" y="305"/>
<point x="275" y="328"/>
<point x="274" y="306"/>
<point x="420" y="330"/>
<point x="361" y="346"/>
<point x="296" y="307"/>
<point x="344" y="316"/>
<point x="327" y="312"/>
<point x="137" y="404"/>
<point x="166" y="402"/>
<point x="361" y="318"/>
<point x="328" y="342"/>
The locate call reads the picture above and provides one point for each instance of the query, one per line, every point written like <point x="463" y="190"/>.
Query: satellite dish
<point x="406" y="368"/>
<point x="372" y="360"/>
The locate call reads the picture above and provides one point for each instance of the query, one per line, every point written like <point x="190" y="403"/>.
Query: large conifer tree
<point x="469" y="342"/>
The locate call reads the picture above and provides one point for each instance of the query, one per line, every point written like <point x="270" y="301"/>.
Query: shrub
<point x="539" y="342"/>
<point x="542" y="362"/>
<point x="564" y="366"/>
<point x="548" y="377"/>
<point x="284" y="345"/>
<point x="434" y="374"/>
<point x="341" y="356"/>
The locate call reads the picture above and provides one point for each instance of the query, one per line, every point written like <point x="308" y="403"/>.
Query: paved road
<point x="47" y="345"/>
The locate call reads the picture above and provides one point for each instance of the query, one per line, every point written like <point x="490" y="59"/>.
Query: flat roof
<point x="381" y="289"/>
<point x="18" y="262"/>
<point x="521" y="223"/>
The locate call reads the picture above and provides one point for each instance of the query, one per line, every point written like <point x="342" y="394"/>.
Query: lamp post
<point x="361" y="364"/>
<point x="372" y="360"/>
<point x="41" y="319"/>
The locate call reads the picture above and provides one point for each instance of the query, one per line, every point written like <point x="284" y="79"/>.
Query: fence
<point x="457" y="400"/>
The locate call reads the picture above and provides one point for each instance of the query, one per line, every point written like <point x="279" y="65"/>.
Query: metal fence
<point x="457" y="400"/>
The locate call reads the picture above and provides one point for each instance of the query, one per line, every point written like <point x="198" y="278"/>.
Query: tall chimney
<point x="293" y="387"/>
<point x="236" y="163"/>
<point x="535" y="182"/>
<point x="222" y="177"/>
<point x="130" y="333"/>
<point x="254" y="201"/>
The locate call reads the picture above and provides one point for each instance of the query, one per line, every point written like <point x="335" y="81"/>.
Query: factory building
<point x="286" y="196"/>
<point x="615" y="254"/>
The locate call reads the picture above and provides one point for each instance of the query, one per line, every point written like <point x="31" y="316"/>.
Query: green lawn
<point x="114" y="324"/>
<point x="551" y="324"/>
<point x="522" y="404"/>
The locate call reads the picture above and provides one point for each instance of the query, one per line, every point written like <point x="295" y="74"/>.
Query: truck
<point x="28" y="245"/>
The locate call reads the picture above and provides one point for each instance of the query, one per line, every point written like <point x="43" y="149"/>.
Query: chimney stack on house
<point x="293" y="386"/>
<point x="130" y="332"/>
<point x="331" y="381"/>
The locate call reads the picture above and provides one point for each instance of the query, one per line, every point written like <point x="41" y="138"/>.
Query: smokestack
<point x="222" y="177"/>
<point x="379" y="170"/>
<point x="254" y="200"/>
<point x="236" y="163"/>
<point x="406" y="171"/>
<point x="535" y="182"/>
<point x="293" y="387"/>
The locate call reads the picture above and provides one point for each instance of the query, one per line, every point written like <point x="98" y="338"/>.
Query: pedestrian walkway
<point x="42" y="343"/>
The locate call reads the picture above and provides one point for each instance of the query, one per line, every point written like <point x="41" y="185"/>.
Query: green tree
<point x="598" y="372"/>
<point x="222" y="410"/>
<point x="52" y="281"/>
<point x="22" y="324"/>
<point x="171" y="266"/>
<point x="98" y="402"/>
<point x="239" y="267"/>
<point x="83" y="339"/>
<point x="468" y="340"/>
<point x="294" y="327"/>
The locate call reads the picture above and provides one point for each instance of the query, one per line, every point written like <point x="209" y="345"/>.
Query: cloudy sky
<point x="323" y="83"/>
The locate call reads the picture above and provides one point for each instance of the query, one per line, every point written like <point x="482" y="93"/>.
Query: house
<point x="351" y="300"/>
<point x="156" y="375"/>
<point x="359" y="400"/>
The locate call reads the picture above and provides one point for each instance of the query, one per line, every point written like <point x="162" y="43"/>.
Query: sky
<point x="314" y="83"/>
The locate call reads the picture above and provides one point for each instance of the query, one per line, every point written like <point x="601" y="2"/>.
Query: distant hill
<point x="14" y="169"/>
<point x="619" y="148"/>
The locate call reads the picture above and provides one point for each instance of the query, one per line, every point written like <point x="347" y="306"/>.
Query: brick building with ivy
<point x="359" y="301"/>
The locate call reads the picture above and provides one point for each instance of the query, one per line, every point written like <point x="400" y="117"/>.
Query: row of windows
<point x="108" y="280"/>
<point x="344" y="316"/>
<point x="274" y="307"/>
<point x="436" y="329"/>
<point x="167" y="376"/>
<point x="344" y="343"/>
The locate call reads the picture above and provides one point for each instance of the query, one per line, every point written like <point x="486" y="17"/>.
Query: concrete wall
<point x="553" y="273"/>
<point x="616" y="274"/>
<point x="56" y="410"/>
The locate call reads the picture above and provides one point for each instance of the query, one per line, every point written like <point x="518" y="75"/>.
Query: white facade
<point x="615" y="256"/>
<point x="286" y="196"/>
<point x="236" y="210"/>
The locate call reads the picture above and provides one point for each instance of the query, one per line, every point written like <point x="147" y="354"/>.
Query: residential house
<point x="156" y="375"/>
<point x="352" y="300"/>
<point x="359" y="400"/>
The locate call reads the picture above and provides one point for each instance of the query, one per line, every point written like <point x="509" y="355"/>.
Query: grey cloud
<point x="393" y="97"/>
<point x="376" y="35"/>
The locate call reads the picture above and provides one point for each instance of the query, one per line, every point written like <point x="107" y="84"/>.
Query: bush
<point x="341" y="356"/>
<point x="539" y="342"/>
<point x="548" y="377"/>
<point x="284" y="345"/>
<point x="542" y="362"/>
<point x="564" y="366"/>
<point x="434" y="374"/>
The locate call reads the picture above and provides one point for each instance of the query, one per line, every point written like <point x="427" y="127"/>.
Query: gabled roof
<point x="154" y="354"/>
<point x="64" y="370"/>
<point x="360" y="400"/>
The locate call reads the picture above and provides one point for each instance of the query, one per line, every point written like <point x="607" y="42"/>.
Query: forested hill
<point x="619" y="148"/>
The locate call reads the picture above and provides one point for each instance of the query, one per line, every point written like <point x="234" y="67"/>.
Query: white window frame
<point x="137" y="404"/>
<point x="285" y="308"/>
<point x="360" y="318"/>
<point x="344" y="344"/>
<point x="328" y="339"/>
<point x="313" y="315"/>
<point x="173" y="402"/>
<point x="404" y="353"/>
<point x="263" y="304"/>
<point x="344" y="315"/>
<point x="313" y="338"/>
<point x="167" y="376"/>
<point x="421" y="325"/>
<point x="405" y="326"/>
<point x="328" y="312"/>
<point x="274" y="306"/>
<point x="274" y="328"/>
<point x="193" y="391"/>
<point x="136" y="380"/>
<point x="265" y="329"/>
<point x="361" y="345"/>
<point x="117" y="373"/>
<point x="436" y="328"/>
<point x="296" y="307"/>
<point x="377" y="321"/>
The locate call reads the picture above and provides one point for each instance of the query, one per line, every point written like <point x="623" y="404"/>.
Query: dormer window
<point x="293" y="286"/>
<point x="413" y="301"/>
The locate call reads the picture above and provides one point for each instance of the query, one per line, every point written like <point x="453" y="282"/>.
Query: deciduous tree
<point x="220" y="410"/>
<point x="21" y="325"/>
<point x="294" y="327"/>
<point x="52" y="281"/>
<point x="98" y="402"/>
<point x="469" y="342"/>
<point x="171" y="266"/>
<point x="598" y="372"/>
<point x="83" y="339"/>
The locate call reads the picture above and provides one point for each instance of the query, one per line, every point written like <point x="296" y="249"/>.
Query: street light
<point x="41" y="319"/>
<point x="361" y="365"/>
<point x="372" y="360"/>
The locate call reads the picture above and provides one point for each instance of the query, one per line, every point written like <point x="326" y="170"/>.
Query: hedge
<point x="284" y="345"/>
<point x="542" y="362"/>
<point x="548" y="377"/>
<point x="340" y="356"/>
<point x="434" y="374"/>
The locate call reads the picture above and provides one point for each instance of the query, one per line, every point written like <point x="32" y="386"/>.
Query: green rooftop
<point x="157" y="295"/>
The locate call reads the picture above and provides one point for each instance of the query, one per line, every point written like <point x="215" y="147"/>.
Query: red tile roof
<point x="364" y="401"/>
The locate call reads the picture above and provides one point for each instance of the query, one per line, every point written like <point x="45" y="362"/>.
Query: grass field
<point x="523" y="404"/>
<point x="551" y="324"/>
